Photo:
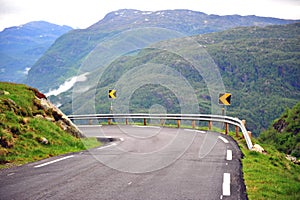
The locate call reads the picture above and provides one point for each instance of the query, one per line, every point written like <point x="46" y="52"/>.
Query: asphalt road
<point x="147" y="163"/>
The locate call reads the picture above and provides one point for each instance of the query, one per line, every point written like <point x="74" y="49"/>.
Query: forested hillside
<point x="259" y="66"/>
<point x="65" y="57"/>
<point x="284" y="132"/>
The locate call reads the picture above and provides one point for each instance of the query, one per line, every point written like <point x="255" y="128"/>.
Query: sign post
<point x="112" y="94"/>
<point x="224" y="99"/>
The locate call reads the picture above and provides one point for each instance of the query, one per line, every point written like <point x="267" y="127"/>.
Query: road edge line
<point x="53" y="161"/>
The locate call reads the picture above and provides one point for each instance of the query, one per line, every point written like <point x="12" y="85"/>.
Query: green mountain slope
<point x="259" y="66"/>
<point x="22" y="46"/>
<point x="64" y="59"/>
<point x="284" y="133"/>
<point x="31" y="129"/>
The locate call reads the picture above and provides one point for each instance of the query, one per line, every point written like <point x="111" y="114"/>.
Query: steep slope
<point x="31" y="128"/>
<point x="64" y="58"/>
<point x="22" y="46"/>
<point x="259" y="66"/>
<point x="284" y="133"/>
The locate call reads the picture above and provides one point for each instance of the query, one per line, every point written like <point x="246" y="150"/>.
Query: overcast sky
<point x="83" y="13"/>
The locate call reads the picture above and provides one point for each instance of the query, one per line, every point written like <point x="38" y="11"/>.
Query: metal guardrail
<point x="193" y="117"/>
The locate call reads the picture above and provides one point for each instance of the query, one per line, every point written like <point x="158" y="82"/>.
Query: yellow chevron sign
<point x="112" y="94"/>
<point x="225" y="99"/>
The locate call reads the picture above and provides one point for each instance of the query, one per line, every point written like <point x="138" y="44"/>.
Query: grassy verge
<point x="25" y="126"/>
<point x="270" y="175"/>
<point x="28" y="148"/>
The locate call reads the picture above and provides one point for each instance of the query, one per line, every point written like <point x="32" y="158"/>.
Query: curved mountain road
<point x="147" y="163"/>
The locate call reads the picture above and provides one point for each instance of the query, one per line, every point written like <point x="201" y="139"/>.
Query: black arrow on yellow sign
<point x="225" y="99"/>
<point x="112" y="94"/>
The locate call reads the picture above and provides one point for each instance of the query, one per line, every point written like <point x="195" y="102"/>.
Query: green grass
<point x="270" y="175"/>
<point x="27" y="148"/>
<point x="21" y="133"/>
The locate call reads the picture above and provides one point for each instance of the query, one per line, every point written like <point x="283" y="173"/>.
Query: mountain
<point x="22" y="46"/>
<point x="284" y="133"/>
<point x="64" y="58"/>
<point x="259" y="66"/>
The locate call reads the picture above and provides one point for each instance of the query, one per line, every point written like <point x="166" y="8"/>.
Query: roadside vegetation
<point x="27" y="134"/>
<point x="269" y="175"/>
<point x="284" y="133"/>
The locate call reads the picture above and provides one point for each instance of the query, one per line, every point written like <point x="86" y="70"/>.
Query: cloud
<point x="83" y="13"/>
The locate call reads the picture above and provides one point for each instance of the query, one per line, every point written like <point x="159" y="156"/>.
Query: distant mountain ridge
<point x="64" y="58"/>
<point x="21" y="46"/>
<point x="259" y="66"/>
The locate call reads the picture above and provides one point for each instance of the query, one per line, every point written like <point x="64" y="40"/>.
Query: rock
<point x="54" y="114"/>
<point x="62" y="125"/>
<point x="38" y="94"/>
<point x="39" y="116"/>
<point x="26" y="120"/>
<point x="3" y="92"/>
<point x="293" y="159"/>
<point x="258" y="148"/>
<point x="3" y="151"/>
<point x="280" y="125"/>
<point x="50" y="119"/>
<point x="42" y="140"/>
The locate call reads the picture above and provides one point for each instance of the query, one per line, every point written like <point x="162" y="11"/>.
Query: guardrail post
<point x="244" y="123"/>
<point x="145" y="121"/>
<point x="226" y="128"/>
<point x="178" y="123"/>
<point x="193" y="124"/>
<point x="209" y="125"/>
<point x="162" y="122"/>
<point x="237" y="131"/>
<point x="250" y="134"/>
<point x="108" y="121"/>
<point x="90" y="122"/>
<point x="126" y="121"/>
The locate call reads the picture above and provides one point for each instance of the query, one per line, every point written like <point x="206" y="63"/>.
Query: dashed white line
<point x="226" y="184"/>
<point x="229" y="155"/>
<point x="223" y="139"/>
<point x="145" y="126"/>
<point x="113" y="144"/>
<point x="195" y="130"/>
<point x="53" y="161"/>
<point x="88" y="126"/>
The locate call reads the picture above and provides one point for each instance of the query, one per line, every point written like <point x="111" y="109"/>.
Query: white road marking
<point x="223" y="139"/>
<point x="113" y="144"/>
<point x="10" y="174"/>
<point x="195" y="130"/>
<point x="129" y="183"/>
<point x="88" y="126"/>
<point x="226" y="184"/>
<point x="145" y="126"/>
<point x="229" y="155"/>
<point x="53" y="161"/>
